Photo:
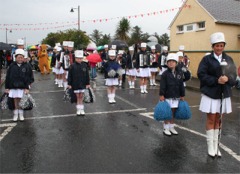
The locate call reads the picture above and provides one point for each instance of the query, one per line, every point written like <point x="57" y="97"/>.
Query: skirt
<point x="59" y="71"/>
<point x="79" y="91"/>
<point x="16" y="93"/>
<point x="209" y="105"/>
<point x="131" y="72"/>
<point x="111" y="82"/>
<point x="144" y="72"/>
<point x="54" y="69"/>
<point x="173" y="102"/>
<point x="153" y="69"/>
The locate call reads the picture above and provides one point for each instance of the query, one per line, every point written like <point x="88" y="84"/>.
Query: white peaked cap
<point x="71" y="44"/>
<point x="59" y="49"/>
<point x="20" y="42"/>
<point x="65" y="43"/>
<point x="153" y="47"/>
<point x="55" y="48"/>
<point x="143" y="45"/>
<point x="106" y="46"/>
<point x="181" y="47"/>
<point x="131" y="48"/>
<point x="207" y="54"/>
<point x="120" y="51"/>
<point x="114" y="47"/>
<point x="25" y="54"/>
<point x="165" y="48"/>
<point x="79" y="54"/>
<point x="19" y="51"/>
<point x="217" y="37"/>
<point x="179" y="54"/>
<point x="112" y="53"/>
<point x="57" y="44"/>
<point x="172" y="56"/>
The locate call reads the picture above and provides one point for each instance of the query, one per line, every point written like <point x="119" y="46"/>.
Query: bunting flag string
<point x="72" y="23"/>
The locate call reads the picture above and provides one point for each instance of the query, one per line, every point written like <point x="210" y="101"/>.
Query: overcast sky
<point x="52" y="11"/>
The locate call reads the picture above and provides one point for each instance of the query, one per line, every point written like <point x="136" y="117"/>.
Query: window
<point x="180" y="28"/>
<point x="200" y="26"/>
<point x="189" y="27"/>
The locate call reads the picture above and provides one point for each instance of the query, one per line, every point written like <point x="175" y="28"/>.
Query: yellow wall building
<point x="192" y="27"/>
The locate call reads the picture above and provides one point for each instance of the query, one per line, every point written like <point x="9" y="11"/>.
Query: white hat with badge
<point x="57" y="44"/>
<point x="78" y="54"/>
<point x="71" y="44"/>
<point x="172" y="56"/>
<point x="65" y="43"/>
<point x="131" y="48"/>
<point x="105" y="46"/>
<point x="20" y="42"/>
<point x="114" y="47"/>
<point x="112" y="53"/>
<point x="181" y="48"/>
<point x="217" y="38"/>
<point x="143" y="45"/>
<point x="19" y="51"/>
<point x="59" y="49"/>
<point x="165" y="48"/>
<point x="153" y="47"/>
<point x="179" y="54"/>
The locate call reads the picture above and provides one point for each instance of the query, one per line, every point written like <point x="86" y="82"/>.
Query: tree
<point x="105" y="39"/>
<point x="164" y="40"/>
<point x="123" y="29"/>
<point x="136" y="35"/>
<point x="96" y="36"/>
<point x="79" y="38"/>
<point x="145" y="37"/>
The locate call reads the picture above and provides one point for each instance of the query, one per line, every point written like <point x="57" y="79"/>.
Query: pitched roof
<point x="223" y="11"/>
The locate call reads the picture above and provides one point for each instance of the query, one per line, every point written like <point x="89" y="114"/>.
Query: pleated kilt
<point x="144" y="72"/>
<point x="209" y="105"/>
<point x="131" y="72"/>
<point x="111" y="82"/>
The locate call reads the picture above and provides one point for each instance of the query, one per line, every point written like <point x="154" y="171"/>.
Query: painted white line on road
<point x="126" y="101"/>
<point x="74" y="115"/>
<point x="225" y="148"/>
<point x="9" y="126"/>
<point x="194" y="106"/>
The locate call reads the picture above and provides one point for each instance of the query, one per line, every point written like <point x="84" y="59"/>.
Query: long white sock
<point x="133" y="83"/>
<point x="129" y="83"/>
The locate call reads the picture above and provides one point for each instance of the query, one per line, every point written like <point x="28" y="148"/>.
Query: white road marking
<point x="9" y="126"/>
<point x="74" y="115"/>
<point x="225" y="148"/>
<point x="126" y="101"/>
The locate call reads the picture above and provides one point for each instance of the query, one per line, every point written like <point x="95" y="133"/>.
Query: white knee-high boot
<point x="215" y="142"/>
<point x="210" y="135"/>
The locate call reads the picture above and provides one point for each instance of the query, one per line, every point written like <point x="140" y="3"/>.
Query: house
<point x="193" y="26"/>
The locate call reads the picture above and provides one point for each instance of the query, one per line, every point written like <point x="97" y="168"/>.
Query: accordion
<point x="144" y="60"/>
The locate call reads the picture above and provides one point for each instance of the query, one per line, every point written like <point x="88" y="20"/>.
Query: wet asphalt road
<point x="117" y="138"/>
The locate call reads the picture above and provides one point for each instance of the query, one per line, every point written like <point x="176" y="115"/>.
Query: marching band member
<point x="65" y="62"/>
<point x="130" y="67"/>
<point x="153" y="65"/>
<point x="216" y="83"/>
<point x="78" y="80"/>
<point x="20" y="45"/>
<point x="111" y="68"/>
<point x="172" y="90"/>
<point x="18" y="80"/>
<point x="59" y="70"/>
<point x="121" y="59"/>
<point x="142" y="66"/>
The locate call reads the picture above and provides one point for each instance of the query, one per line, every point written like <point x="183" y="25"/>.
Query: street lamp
<point x="72" y="10"/>
<point x="6" y="35"/>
